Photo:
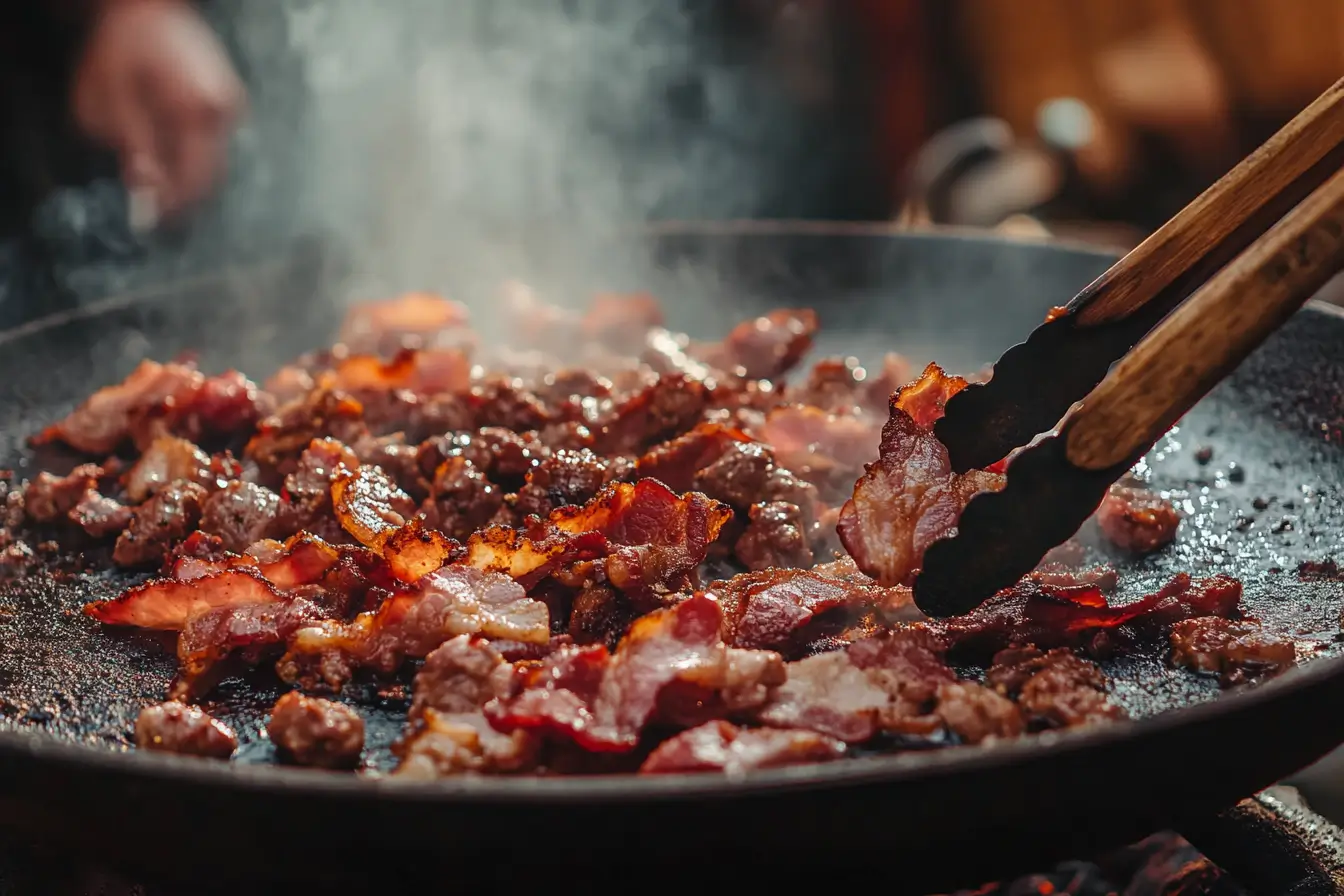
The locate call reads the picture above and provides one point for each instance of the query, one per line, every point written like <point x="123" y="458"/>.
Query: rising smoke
<point x="451" y="144"/>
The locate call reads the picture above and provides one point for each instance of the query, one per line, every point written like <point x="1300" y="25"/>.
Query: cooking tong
<point x="1133" y="352"/>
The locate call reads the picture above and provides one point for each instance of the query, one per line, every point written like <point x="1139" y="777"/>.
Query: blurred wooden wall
<point x="1208" y="72"/>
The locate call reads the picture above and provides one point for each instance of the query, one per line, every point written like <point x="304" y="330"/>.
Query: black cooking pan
<point x="917" y="822"/>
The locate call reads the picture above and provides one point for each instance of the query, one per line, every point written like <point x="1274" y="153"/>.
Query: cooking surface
<point x="1267" y="500"/>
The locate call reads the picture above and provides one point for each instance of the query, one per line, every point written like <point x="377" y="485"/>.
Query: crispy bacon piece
<point x="530" y="555"/>
<point x="1234" y="650"/>
<point x="371" y="508"/>
<point x="1055" y="615"/>
<point x="649" y="539"/>
<point x="369" y="505"/>
<point x="658" y="539"/>
<point x="103" y="421"/>
<point x="721" y="747"/>
<point x="373" y="326"/>
<point x="455" y="600"/>
<point x="170" y="603"/>
<point x="1137" y="520"/>
<point x="210" y="640"/>
<point x="909" y="498"/>
<point x="302" y="560"/>
<point x="423" y="372"/>
<point x="671" y="659"/>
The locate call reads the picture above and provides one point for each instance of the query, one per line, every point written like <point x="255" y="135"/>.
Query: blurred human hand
<point x="155" y="85"/>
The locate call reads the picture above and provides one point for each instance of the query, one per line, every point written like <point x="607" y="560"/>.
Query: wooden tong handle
<point x="1210" y="231"/>
<point x="1199" y="343"/>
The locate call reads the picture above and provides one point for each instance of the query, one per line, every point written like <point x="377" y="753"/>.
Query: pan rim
<point x="635" y="788"/>
<point x="132" y="764"/>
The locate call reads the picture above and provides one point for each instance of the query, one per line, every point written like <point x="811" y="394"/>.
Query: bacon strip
<point x="910" y="497"/>
<point x="168" y="604"/>
<point x="1050" y="615"/>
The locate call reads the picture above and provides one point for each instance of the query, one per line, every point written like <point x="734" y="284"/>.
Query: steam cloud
<point x="452" y="144"/>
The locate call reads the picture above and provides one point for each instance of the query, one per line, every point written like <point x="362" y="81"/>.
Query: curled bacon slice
<point x="369" y="506"/>
<point x="170" y="603"/>
<point x="602" y="703"/>
<point x="455" y="600"/>
<point x="1060" y="615"/>
<point x="302" y="560"/>
<point x="909" y="498"/>
<point x="651" y="540"/>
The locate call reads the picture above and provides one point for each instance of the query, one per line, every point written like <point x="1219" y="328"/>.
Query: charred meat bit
<point x="316" y="732"/>
<point x="1063" y="615"/>
<point x="171" y="515"/>
<point x="746" y="474"/>
<point x="1055" y="689"/>
<point x="721" y="747"/>
<point x="1137" y="520"/>
<point x="447" y="731"/>
<point x="566" y="478"/>
<point x="100" y="516"/>
<point x="461" y="499"/>
<point x="775" y="537"/>
<point x="240" y="513"/>
<point x="48" y="498"/>
<point x="1234" y="650"/>
<point x="177" y="728"/>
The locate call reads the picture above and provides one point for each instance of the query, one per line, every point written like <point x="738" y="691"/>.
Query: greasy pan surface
<point x="69" y="691"/>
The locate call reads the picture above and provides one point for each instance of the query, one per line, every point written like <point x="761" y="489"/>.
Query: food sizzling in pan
<point x="610" y="548"/>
